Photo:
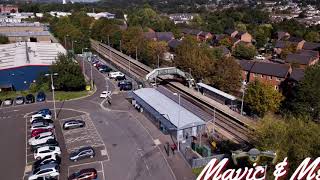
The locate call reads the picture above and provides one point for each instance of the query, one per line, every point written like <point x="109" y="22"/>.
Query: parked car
<point x="41" y="119"/>
<point x="52" y="159"/>
<point x="82" y="153"/>
<point x="120" y="78"/>
<point x="41" y="125"/>
<point x="104" y="69"/>
<point x="105" y="94"/>
<point x="44" y="151"/>
<point x="36" y="132"/>
<point x="41" y="138"/>
<point x="44" y="111"/>
<point x="48" y="170"/>
<point x="260" y="57"/>
<point x="29" y="99"/>
<point x="40" y="116"/>
<point x="41" y="96"/>
<point x="72" y="124"/>
<point x="19" y="100"/>
<point x="7" y="102"/>
<point x="125" y="85"/>
<point x="50" y="142"/>
<point x="116" y="74"/>
<point x="0" y="102"/>
<point x="89" y="173"/>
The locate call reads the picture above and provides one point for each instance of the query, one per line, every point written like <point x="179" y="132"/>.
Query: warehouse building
<point x="167" y="114"/>
<point x="21" y="63"/>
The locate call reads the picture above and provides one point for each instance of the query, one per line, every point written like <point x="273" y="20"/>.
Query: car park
<point x="114" y="75"/>
<point x="36" y="132"/>
<point x="7" y="102"/>
<point x="19" y="100"/>
<point x="41" y="125"/>
<point x="82" y="153"/>
<point x="50" y="142"/>
<point x="48" y="170"/>
<point x="72" y="124"/>
<point x="41" y="138"/>
<point x="30" y="99"/>
<point x="52" y="159"/>
<point x="105" y="94"/>
<point x="44" y="151"/>
<point x="83" y="174"/>
<point x="41" y="96"/>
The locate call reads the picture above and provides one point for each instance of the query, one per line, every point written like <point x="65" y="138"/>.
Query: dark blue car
<point x="44" y="111"/>
<point x="41" y="96"/>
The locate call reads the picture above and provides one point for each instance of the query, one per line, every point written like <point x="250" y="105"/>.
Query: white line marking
<point x="104" y="178"/>
<point x="96" y="162"/>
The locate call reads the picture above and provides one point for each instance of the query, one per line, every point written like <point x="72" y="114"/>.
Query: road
<point x="131" y="150"/>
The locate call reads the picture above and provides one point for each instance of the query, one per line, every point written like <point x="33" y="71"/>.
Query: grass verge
<point x="197" y="171"/>
<point x="67" y="95"/>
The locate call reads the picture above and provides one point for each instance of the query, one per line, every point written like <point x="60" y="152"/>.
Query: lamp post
<point x="120" y="45"/>
<point x="83" y="69"/>
<point x="178" y="128"/>
<point x="52" y="88"/>
<point x="243" y="89"/>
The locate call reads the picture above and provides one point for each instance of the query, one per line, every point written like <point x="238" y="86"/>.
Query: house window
<point x="278" y="79"/>
<point x="255" y="75"/>
<point x="276" y="87"/>
<point x="270" y="77"/>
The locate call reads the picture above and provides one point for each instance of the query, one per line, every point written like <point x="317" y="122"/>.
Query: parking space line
<point x="26" y="141"/>
<point x="102" y="170"/>
<point x="76" y="165"/>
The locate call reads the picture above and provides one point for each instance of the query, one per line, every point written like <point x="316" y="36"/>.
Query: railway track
<point x="237" y="130"/>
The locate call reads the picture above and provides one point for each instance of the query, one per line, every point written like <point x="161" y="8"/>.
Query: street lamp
<point x="178" y="128"/>
<point x="52" y="88"/>
<point x="243" y="89"/>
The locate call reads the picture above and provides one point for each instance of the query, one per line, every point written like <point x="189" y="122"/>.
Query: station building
<point x="168" y="115"/>
<point x="22" y="62"/>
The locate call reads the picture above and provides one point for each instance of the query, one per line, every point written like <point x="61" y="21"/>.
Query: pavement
<point x="129" y="146"/>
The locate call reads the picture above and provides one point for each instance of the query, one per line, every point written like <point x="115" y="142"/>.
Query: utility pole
<point x="120" y="45"/>
<point x="243" y="88"/>
<point x="158" y="61"/>
<point x="53" y="96"/>
<point x="91" y="76"/>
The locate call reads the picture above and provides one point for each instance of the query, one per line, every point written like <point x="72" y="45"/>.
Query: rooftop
<point x="172" y="111"/>
<point x="297" y="74"/>
<point x="18" y="34"/>
<point x="303" y="59"/>
<point x="271" y="69"/>
<point x="174" y="43"/>
<point x="217" y="91"/>
<point x="28" y="54"/>
<point x="246" y="65"/>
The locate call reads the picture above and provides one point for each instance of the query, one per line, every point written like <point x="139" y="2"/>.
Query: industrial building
<point x="21" y="63"/>
<point x="170" y="116"/>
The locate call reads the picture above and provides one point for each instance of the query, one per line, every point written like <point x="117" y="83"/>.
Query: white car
<point x="47" y="170"/>
<point x="44" y="116"/>
<point x="41" y="125"/>
<point x="105" y="94"/>
<point x="260" y="57"/>
<point x="114" y="75"/>
<point x="41" y="138"/>
<point x="42" y="152"/>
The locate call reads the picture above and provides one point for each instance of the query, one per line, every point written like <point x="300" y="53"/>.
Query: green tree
<point x="152" y="50"/>
<point x="244" y="51"/>
<point x="226" y="75"/>
<point x="293" y="138"/>
<point x="132" y="38"/>
<point x="262" y="98"/>
<point x="289" y="48"/>
<point x="191" y="55"/>
<point x="312" y="36"/>
<point x="227" y="42"/>
<point x="4" y="39"/>
<point x="307" y="100"/>
<point x="70" y="77"/>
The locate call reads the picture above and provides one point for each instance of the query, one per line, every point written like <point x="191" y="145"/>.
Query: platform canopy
<point x="180" y="117"/>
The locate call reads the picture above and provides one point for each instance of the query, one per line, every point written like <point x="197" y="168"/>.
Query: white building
<point x="102" y="15"/>
<point x="59" y="14"/>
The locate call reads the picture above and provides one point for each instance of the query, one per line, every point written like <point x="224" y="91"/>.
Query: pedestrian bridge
<point x="170" y="71"/>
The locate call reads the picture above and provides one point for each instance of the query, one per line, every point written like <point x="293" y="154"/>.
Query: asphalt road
<point x="131" y="151"/>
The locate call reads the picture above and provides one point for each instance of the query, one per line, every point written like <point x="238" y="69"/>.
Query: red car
<point x="36" y="132"/>
<point x="84" y="174"/>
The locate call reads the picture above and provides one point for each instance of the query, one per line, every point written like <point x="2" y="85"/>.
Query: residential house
<point x="198" y="34"/>
<point x="225" y="51"/>
<point x="181" y="18"/>
<point x="266" y="72"/>
<point x="231" y="32"/>
<point x="303" y="58"/>
<point x="204" y="36"/>
<point x="281" y="35"/>
<point x="173" y="44"/>
<point x="158" y="36"/>
<point x="311" y="46"/>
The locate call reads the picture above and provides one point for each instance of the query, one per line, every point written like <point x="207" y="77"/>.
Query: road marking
<point x="104" y="178"/>
<point x="76" y="165"/>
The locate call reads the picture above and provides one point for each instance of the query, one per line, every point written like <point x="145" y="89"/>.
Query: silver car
<point x="72" y="124"/>
<point x="41" y="125"/>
